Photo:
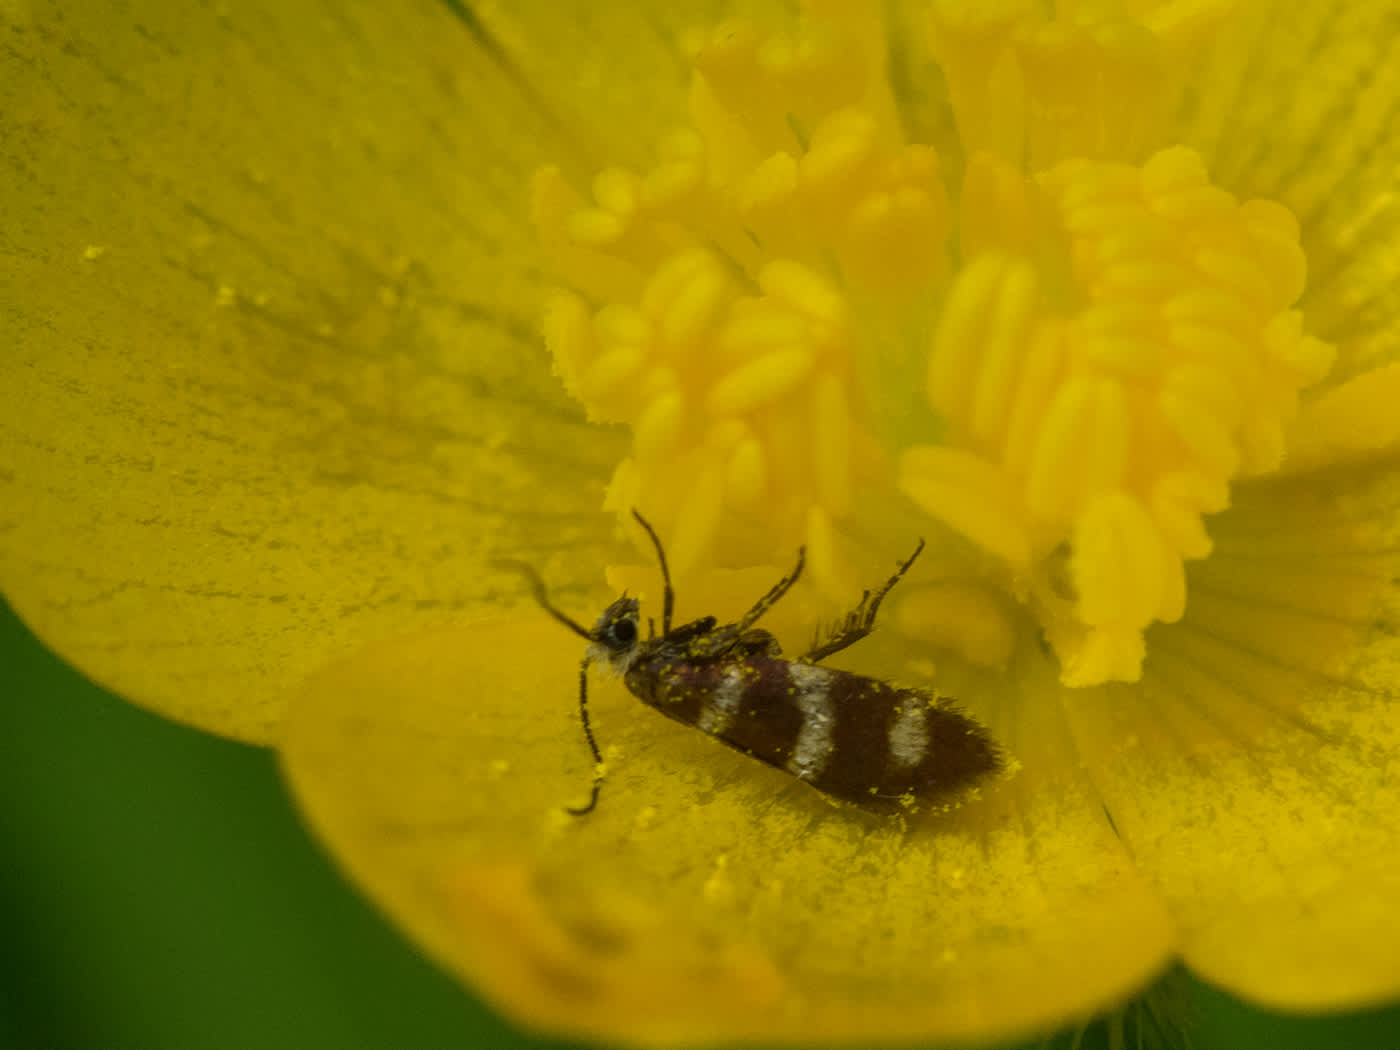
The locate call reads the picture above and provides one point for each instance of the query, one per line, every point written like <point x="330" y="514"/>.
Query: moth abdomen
<point x="847" y="735"/>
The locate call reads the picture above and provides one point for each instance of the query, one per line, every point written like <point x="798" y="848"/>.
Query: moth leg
<point x="727" y="637"/>
<point x="579" y="811"/>
<point x="771" y="598"/>
<point x="860" y="621"/>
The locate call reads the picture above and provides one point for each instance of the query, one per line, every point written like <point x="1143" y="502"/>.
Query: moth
<point x="849" y="736"/>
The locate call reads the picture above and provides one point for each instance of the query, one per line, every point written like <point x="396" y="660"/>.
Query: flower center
<point x="829" y="320"/>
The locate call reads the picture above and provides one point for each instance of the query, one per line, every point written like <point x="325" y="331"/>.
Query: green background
<point x="157" y="891"/>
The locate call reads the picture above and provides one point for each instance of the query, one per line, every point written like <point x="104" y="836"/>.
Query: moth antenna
<point x="579" y="811"/>
<point x="668" y="595"/>
<point x="540" y="594"/>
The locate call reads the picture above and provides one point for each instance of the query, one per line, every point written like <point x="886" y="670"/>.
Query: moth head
<point x="616" y="638"/>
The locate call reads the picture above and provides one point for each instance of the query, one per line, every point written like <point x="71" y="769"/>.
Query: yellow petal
<point x="605" y="76"/>
<point x="707" y="898"/>
<point x="271" y="374"/>
<point x="1252" y="775"/>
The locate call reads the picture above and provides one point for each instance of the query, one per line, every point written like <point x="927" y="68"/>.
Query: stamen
<point x="1068" y="378"/>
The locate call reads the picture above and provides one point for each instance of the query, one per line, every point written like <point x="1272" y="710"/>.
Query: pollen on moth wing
<point x="853" y="738"/>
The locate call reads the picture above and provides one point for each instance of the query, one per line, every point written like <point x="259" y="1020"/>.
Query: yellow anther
<point x="595" y="227"/>
<point x="831" y="445"/>
<point x="611" y="370"/>
<point x="1003" y="348"/>
<point x="997" y="210"/>
<point x="724" y="435"/>
<point x="765" y="199"/>
<point x="971" y="496"/>
<point x="1207" y="440"/>
<point x="1209" y="308"/>
<point x="1108" y="654"/>
<point x="804" y="290"/>
<point x="1083" y="446"/>
<point x="760" y="382"/>
<point x="1306" y="357"/>
<point x="1262" y="444"/>
<point x="827" y="566"/>
<point x="1209" y="388"/>
<point x="956" y="354"/>
<point x="753" y="332"/>
<point x="1119" y="562"/>
<point x="685" y="297"/>
<point x="1197" y="204"/>
<point x="1148" y="277"/>
<point x="657" y="381"/>
<point x="1172" y="170"/>
<point x="1132" y="357"/>
<point x="1237" y="272"/>
<point x="697" y="517"/>
<point x="1176" y="506"/>
<point x="1275" y="234"/>
<point x="747" y="481"/>
<point x="893" y="236"/>
<point x="966" y="618"/>
<point x="617" y="190"/>
<point x="678" y="173"/>
<point x="840" y="148"/>
<point x="617" y="323"/>
<point x="658" y="428"/>
<point x="1037" y="383"/>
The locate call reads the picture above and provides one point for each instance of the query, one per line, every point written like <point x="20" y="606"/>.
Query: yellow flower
<point x="1099" y="303"/>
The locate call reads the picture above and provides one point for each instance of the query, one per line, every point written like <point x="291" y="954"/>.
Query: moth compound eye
<point x="624" y="633"/>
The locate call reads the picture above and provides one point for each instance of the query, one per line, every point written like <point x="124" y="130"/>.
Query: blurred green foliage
<point x="158" y="893"/>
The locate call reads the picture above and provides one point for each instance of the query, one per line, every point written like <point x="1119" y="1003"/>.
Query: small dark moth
<point x="849" y="736"/>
